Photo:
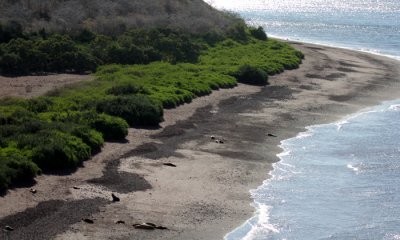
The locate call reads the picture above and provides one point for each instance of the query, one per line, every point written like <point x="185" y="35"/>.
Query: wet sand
<point x="207" y="194"/>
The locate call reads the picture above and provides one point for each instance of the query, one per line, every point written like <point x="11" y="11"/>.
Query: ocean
<point x="338" y="180"/>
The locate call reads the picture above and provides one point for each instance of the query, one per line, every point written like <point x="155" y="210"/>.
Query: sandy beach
<point x="207" y="194"/>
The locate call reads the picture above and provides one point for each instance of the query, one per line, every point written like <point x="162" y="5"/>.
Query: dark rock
<point x="32" y="190"/>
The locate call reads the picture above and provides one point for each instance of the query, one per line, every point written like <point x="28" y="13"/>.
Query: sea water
<point x="334" y="181"/>
<point x="366" y="25"/>
<point x="339" y="180"/>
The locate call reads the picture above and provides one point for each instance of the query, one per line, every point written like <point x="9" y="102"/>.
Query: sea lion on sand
<point x="169" y="164"/>
<point x="8" y="229"/>
<point x="114" y="198"/>
<point x="87" y="220"/>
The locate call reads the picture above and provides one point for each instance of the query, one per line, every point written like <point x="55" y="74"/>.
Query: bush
<point x="258" y="33"/>
<point x="92" y="138"/>
<point x="55" y="150"/>
<point x="251" y="75"/>
<point x="10" y="31"/>
<point x="112" y="128"/>
<point x="15" y="166"/>
<point x="125" y="89"/>
<point x="40" y="104"/>
<point x="238" y="32"/>
<point x="136" y="110"/>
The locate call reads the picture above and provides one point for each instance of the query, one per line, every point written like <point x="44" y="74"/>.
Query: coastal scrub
<point x="64" y="128"/>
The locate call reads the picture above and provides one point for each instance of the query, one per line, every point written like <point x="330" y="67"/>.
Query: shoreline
<point x="207" y="195"/>
<point x="301" y="134"/>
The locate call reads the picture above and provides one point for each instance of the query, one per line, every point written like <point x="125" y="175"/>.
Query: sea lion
<point x="114" y="198"/>
<point x="8" y="229"/>
<point x="169" y="164"/>
<point x="120" y="222"/>
<point x="144" y="226"/>
<point x="271" y="135"/>
<point x="87" y="220"/>
<point x="161" y="228"/>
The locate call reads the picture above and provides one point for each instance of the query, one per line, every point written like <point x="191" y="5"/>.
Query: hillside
<point x="112" y="17"/>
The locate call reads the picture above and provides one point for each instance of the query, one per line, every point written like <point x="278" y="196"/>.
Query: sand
<point x="32" y="86"/>
<point x="207" y="194"/>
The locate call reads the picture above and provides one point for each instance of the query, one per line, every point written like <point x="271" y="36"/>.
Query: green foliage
<point x="55" y="150"/>
<point x="271" y="56"/>
<point x="258" y="33"/>
<point x="125" y="89"/>
<point x="15" y="166"/>
<point x="65" y="127"/>
<point x="136" y="110"/>
<point x="238" y="32"/>
<point x="40" y="52"/>
<point x="251" y="75"/>
<point x="10" y="30"/>
<point x="112" y="128"/>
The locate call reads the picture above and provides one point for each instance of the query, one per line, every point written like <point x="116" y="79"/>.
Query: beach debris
<point x="169" y="164"/>
<point x="120" y="222"/>
<point x="271" y="135"/>
<point x="8" y="229"/>
<point x="75" y="187"/>
<point x="114" y="198"/>
<point x="88" y="220"/>
<point x="32" y="190"/>
<point x="149" y="226"/>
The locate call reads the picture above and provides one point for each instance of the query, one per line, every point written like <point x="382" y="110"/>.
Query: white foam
<point x="355" y="169"/>
<point x="395" y="107"/>
<point x="305" y="134"/>
<point x="347" y="119"/>
<point x="262" y="226"/>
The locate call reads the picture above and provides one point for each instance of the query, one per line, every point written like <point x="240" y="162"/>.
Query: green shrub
<point x="91" y="137"/>
<point x="258" y="33"/>
<point x="15" y="166"/>
<point x="238" y="32"/>
<point x="135" y="110"/>
<point x="55" y="150"/>
<point x="251" y="75"/>
<point x="112" y="128"/>
<point x="125" y="89"/>
<point x="40" y="104"/>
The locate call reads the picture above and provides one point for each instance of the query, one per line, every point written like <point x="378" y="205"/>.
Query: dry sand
<point x="31" y="86"/>
<point x="207" y="194"/>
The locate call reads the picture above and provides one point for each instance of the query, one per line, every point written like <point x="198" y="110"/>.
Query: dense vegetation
<point x="41" y="52"/>
<point x="110" y="17"/>
<point x="167" y="68"/>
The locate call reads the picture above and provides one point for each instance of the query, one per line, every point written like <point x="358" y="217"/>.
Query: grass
<point x="68" y="125"/>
